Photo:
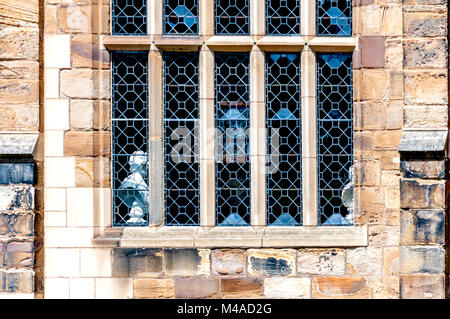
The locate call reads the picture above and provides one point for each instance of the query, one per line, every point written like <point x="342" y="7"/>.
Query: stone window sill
<point x="229" y="237"/>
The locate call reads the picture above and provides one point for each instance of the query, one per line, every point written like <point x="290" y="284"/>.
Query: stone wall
<point x="400" y="83"/>
<point x="19" y="130"/>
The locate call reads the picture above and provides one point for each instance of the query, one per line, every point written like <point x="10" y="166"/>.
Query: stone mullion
<point x="155" y="12"/>
<point x="257" y="138"/>
<point x="257" y="17"/>
<point x="309" y="139"/>
<point x="156" y="149"/>
<point x="207" y="141"/>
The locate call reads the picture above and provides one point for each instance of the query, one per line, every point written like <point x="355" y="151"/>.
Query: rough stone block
<point x="154" y="288"/>
<point x="425" y="87"/>
<point x="391" y="261"/>
<point x="17" y="281"/>
<point x="19" y="43"/>
<point x="273" y="262"/>
<point x="81" y="114"/>
<point x="341" y="288"/>
<point x="136" y="262"/>
<point x="186" y="262"/>
<point x="242" y="288"/>
<point x="374" y="84"/>
<point x="427" y="53"/>
<point x="75" y="19"/>
<point x="228" y="262"/>
<point x="384" y="235"/>
<point x="90" y="84"/>
<point x="321" y="261"/>
<point x="23" y="173"/>
<point x="196" y="287"/>
<point x="19" y="254"/>
<point x="421" y="24"/>
<point x="425" y="169"/>
<point x="422" y="287"/>
<point x="422" y="227"/>
<point x="418" y="195"/>
<point x="425" y="116"/>
<point x="16" y="224"/>
<point x="298" y="288"/>
<point x="386" y="287"/>
<point x="428" y="259"/>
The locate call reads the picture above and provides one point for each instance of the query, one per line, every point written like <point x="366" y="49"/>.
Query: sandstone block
<point x="372" y="52"/>
<point x="81" y="114"/>
<point x="19" y="43"/>
<point x="154" y="288"/>
<point x="425" y="87"/>
<point x="228" y="262"/>
<point x="196" y="287"/>
<point x="364" y="261"/>
<point x="386" y="287"/>
<point x="298" y="288"/>
<point x="426" y="54"/>
<point x="391" y="261"/>
<point x="340" y="287"/>
<point x="272" y="262"/>
<point x="86" y="54"/>
<point x="90" y="84"/>
<point x="19" y="254"/>
<point x="418" y="195"/>
<point x="75" y="19"/>
<point x="87" y="143"/>
<point x="321" y="261"/>
<point x="186" y="262"/>
<point x="374" y="84"/>
<point x="388" y="139"/>
<point x="420" y="227"/>
<point x="422" y="287"/>
<point x="136" y="262"/>
<point x="242" y="288"/>
<point x="428" y="259"/>
<point x="384" y="235"/>
<point x="17" y="281"/>
<point x="420" y="24"/>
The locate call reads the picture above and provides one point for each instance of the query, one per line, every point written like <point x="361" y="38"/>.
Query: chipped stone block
<point x="196" y="287"/>
<point x="242" y="288"/>
<point x="422" y="227"/>
<point x="273" y="262"/>
<point x="136" y="262"/>
<point x="417" y="195"/>
<point x="228" y="262"/>
<point x="186" y="262"/>
<point x="23" y="173"/>
<point x="16" y="197"/>
<point x="425" y="169"/>
<point x="321" y="261"/>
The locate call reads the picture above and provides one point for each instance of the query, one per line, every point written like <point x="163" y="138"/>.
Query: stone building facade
<point x="57" y="238"/>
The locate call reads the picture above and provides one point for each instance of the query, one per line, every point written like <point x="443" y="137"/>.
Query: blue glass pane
<point x="130" y="138"/>
<point x="335" y="138"/>
<point x="129" y="17"/>
<point x="232" y="139"/>
<point x="283" y="17"/>
<point x="284" y="153"/>
<point x="232" y="17"/>
<point x="334" y="17"/>
<point x="181" y="143"/>
<point x="181" y="16"/>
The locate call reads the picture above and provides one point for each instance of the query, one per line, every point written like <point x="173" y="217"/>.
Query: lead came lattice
<point x="129" y="17"/>
<point x="334" y="17"/>
<point x="283" y="122"/>
<point x="130" y="138"/>
<point x="232" y="139"/>
<point x="181" y="118"/>
<point x="335" y="138"/>
<point x="232" y="17"/>
<point x="283" y="17"/>
<point x="181" y="16"/>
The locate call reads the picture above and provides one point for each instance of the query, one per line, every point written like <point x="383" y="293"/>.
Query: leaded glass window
<point x="232" y="17"/>
<point x="130" y="138"/>
<point x="283" y="17"/>
<point x="334" y="17"/>
<point x="335" y="138"/>
<point x="129" y="17"/>
<point x="181" y="127"/>
<point x="181" y="16"/>
<point x="232" y="139"/>
<point x="284" y="151"/>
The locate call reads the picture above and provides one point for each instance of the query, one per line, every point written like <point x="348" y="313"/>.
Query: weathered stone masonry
<point x="401" y="123"/>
